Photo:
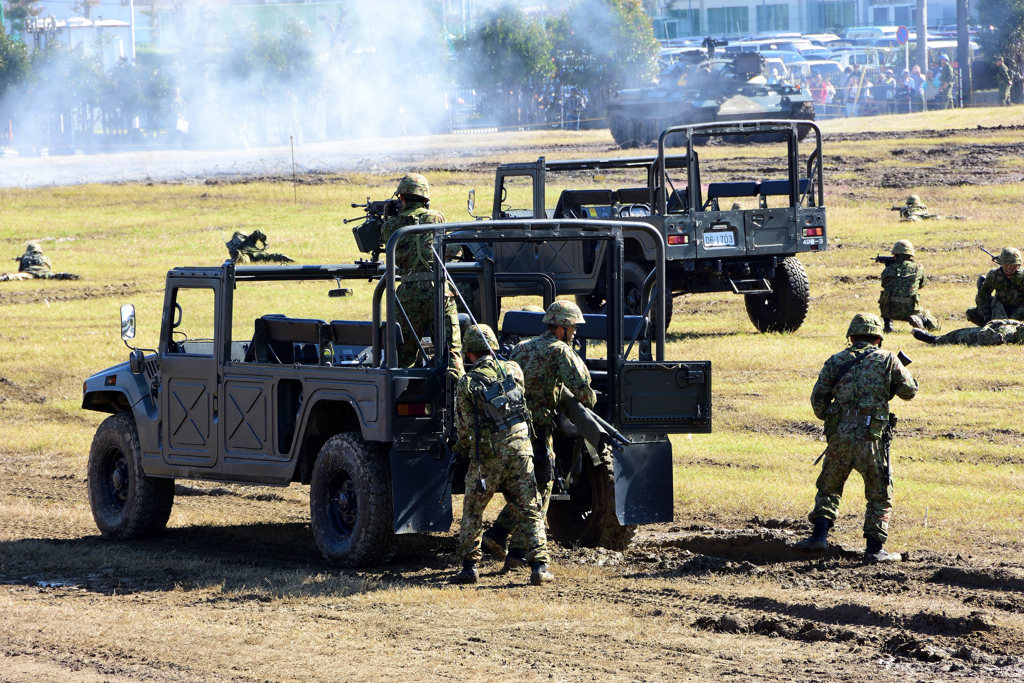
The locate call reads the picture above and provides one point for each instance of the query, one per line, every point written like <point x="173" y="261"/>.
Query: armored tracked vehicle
<point x="711" y="243"/>
<point x="252" y="382"/>
<point x="712" y="90"/>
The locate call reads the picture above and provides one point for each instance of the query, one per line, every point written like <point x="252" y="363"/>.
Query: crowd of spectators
<point x="857" y="92"/>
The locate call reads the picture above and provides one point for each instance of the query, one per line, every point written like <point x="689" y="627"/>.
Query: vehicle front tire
<point x="125" y="502"/>
<point x="785" y="309"/>
<point x="350" y="504"/>
<point x="588" y="518"/>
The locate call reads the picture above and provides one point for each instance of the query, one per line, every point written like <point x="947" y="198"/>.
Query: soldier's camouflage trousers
<point x="417" y="298"/>
<point x="507" y="518"/>
<point x="510" y="470"/>
<point x="845" y="454"/>
<point x="998" y="311"/>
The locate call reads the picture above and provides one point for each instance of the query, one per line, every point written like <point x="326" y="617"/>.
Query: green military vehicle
<point x="252" y="382"/>
<point x="709" y="245"/>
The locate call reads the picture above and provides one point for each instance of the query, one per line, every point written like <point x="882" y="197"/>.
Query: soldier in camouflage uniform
<point x="901" y="284"/>
<point x="33" y="265"/>
<point x="852" y="396"/>
<point x="1001" y="292"/>
<point x="914" y="210"/>
<point x="549" y="364"/>
<point x="992" y="333"/>
<point x="252" y="248"/>
<point x="414" y="261"/>
<point x="1003" y="81"/>
<point x="497" y="444"/>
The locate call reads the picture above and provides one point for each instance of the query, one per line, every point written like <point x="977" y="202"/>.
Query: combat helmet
<point x="33" y="248"/>
<point x="563" y="314"/>
<point x="532" y="308"/>
<point x="903" y="247"/>
<point x="414" y="184"/>
<point x="913" y="200"/>
<point x="480" y="339"/>
<point x="867" y="324"/>
<point x="1009" y="257"/>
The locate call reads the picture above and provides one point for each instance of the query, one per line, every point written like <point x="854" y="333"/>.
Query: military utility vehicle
<point x="705" y="91"/>
<point x="709" y="245"/>
<point x="252" y="382"/>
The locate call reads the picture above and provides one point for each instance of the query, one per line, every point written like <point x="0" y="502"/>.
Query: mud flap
<point x="418" y="489"/>
<point x="643" y="483"/>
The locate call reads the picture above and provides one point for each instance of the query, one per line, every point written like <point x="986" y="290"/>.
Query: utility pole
<point x="963" y="51"/>
<point x="922" y="35"/>
<point x="131" y="11"/>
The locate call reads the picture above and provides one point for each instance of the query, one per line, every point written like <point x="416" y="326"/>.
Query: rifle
<point x="887" y="434"/>
<point x="885" y="259"/>
<point x="591" y="426"/>
<point x="995" y="259"/>
<point x="376" y="214"/>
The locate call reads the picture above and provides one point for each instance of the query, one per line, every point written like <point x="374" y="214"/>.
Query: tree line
<point x="347" y="77"/>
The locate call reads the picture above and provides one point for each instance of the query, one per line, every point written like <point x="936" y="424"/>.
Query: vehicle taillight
<point x="678" y="239"/>
<point x="814" y="232"/>
<point x="413" y="409"/>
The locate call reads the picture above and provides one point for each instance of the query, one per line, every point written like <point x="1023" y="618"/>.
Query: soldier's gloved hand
<point x="455" y="375"/>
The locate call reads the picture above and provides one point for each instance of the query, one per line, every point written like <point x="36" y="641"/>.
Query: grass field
<point x="958" y="458"/>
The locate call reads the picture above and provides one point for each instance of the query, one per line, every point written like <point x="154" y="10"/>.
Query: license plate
<point x="719" y="239"/>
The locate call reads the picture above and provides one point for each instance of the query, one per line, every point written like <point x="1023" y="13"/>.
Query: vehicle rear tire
<point x="634" y="275"/>
<point x="785" y="309"/>
<point x="588" y="518"/>
<point x="350" y="503"/>
<point x="125" y="502"/>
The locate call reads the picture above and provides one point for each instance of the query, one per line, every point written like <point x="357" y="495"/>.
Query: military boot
<point x="875" y="553"/>
<point x="888" y="326"/>
<point x="493" y="541"/>
<point x="540" y="574"/>
<point x="469" y="574"/>
<point x="921" y="335"/>
<point x="516" y="559"/>
<point x="819" y="537"/>
<point x="916" y="322"/>
<point x="931" y="325"/>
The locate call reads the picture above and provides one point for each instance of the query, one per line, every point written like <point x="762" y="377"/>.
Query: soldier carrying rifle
<point x="902" y="281"/>
<point x="33" y="265"/>
<point x="852" y="396"/>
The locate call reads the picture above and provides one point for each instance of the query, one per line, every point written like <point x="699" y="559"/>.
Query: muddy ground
<point x="249" y="599"/>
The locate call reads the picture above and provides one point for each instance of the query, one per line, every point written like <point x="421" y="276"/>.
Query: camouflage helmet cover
<point x="563" y="314"/>
<point x="913" y="200"/>
<point x="532" y="308"/>
<point x="1009" y="257"/>
<point x="480" y="339"/>
<point x="414" y="184"/>
<point x="33" y="248"/>
<point x="865" y="323"/>
<point x="903" y="247"/>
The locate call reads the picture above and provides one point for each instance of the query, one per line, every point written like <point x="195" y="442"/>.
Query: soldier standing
<point x="414" y="261"/>
<point x="492" y="423"/>
<point x="1003" y="81"/>
<point x="1001" y="292"/>
<point x="549" y="363"/>
<point x="992" y="333"/>
<point x="34" y="265"/>
<point x="852" y="396"/>
<point x="946" y="77"/>
<point x="901" y="284"/>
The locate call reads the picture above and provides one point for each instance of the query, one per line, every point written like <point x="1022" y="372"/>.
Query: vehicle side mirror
<point x="340" y="292"/>
<point x="136" y="359"/>
<point x="471" y="202"/>
<point x="127" y="322"/>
